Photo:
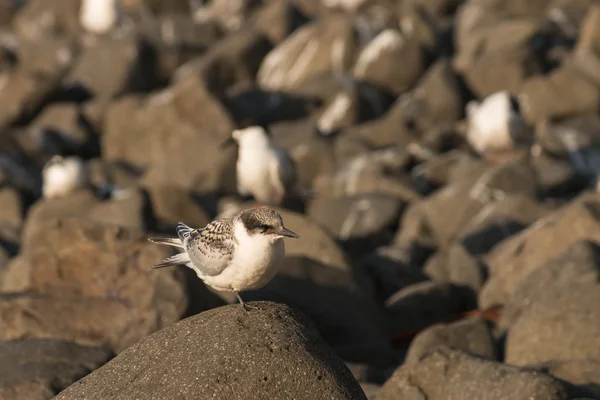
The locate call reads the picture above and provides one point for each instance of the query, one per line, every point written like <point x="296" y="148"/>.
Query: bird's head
<point x="265" y="221"/>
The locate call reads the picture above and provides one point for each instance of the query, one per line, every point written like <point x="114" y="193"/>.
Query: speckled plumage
<point x="232" y="254"/>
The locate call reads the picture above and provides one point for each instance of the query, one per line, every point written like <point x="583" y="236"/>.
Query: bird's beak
<point x="287" y="233"/>
<point x="227" y="142"/>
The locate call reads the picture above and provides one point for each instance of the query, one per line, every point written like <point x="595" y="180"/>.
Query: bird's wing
<point x="211" y="249"/>
<point x="283" y="170"/>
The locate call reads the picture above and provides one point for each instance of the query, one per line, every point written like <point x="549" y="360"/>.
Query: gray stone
<point x="267" y="353"/>
<point x="40" y="368"/>
<point x="472" y="336"/>
<point x="580" y="263"/>
<point x="559" y="325"/>
<point x="446" y="374"/>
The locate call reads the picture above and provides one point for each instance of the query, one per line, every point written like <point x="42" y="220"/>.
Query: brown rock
<point x="472" y="336"/>
<point x="132" y="67"/>
<point x="564" y="92"/>
<point x="171" y="205"/>
<point x="234" y="60"/>
<point x="40" y="368"/>
<point x="558" y="326"/>
<point x="278" y="19"/>
<point x="495" y="56"/>
<point x="317" y="47"/>
<point x="514" y="259"/>
<point x="378" y="61"/>
<point x="59" y="129"/>
<point x="586" y="57"/>
<point x="23" y="94"/>
<point x="40" y="19"/>
<point x="101" y="265"/>
<point x="578" y="264"/>
<point x="165" y="136"/>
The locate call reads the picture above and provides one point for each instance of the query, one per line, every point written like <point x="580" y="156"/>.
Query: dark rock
<point x="40" y="368"/>
<point x="472" y="336"/>
<point x="580" y="263"/>
<point x="391" y="270"/>
<point x="90" y="263"/>
<point x="163" y="136"/>
<point x="295" y="362"/>
<point x="515" y="258"/>
<point x="426" y="303"/>
<point x="317" y="47"/>
<point x="132" y="63"/>
<point x="359" y="335"/>
<point x="378" y="61"/>
<point x="553" y="96"/>
<point x="253" y="106"/>
<point x="446" y="373"/>
<point x="233" y="60"/>
<point x="559" y="325"/>
<point x="60" y="129"/>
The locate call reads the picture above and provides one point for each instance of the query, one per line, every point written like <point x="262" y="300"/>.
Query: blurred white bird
<point x="62" y="176"/>
<point x="264" y="171"/>
<point x="99" y="16"/>
<point x="495" y="124"/>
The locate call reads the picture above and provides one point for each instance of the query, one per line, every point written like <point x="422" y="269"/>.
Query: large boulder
<point x="271" y="352"/>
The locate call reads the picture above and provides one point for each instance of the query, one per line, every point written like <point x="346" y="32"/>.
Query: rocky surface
<point x="271" y="352"/>
<point x="448" y="157"/>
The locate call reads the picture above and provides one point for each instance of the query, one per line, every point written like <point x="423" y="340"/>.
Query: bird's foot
<point x="247" y="307"/>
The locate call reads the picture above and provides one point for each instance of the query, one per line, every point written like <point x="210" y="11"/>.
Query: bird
<point x="233" y="254"/>
<point x="264" y="171"/>
<point x="99" y="16"/>
<point x="62" y="176"/>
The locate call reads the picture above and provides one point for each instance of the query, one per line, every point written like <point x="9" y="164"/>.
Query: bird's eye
<point x="264" y="228"/>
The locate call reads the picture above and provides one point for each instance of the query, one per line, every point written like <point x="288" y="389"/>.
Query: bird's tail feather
<point x="183" y="231"/>
<point x="175" y="242"/>
<point x="177" y="259"/>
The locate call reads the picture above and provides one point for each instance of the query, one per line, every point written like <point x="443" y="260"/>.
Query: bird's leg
<point x="246" y="307"/>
